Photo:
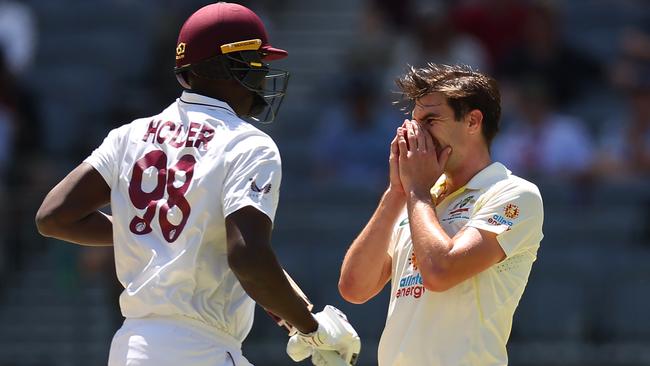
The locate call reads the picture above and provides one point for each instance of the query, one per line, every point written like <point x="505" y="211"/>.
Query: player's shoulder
<point x="516" y="187"/>
<point x="245" y="136"/>
<point x="137" y="123"/>
<point x="124" y="130"/>
<point x="522" y="185"/>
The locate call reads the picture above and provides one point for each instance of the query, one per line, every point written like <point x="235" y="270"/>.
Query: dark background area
<point x="575" y="79"/>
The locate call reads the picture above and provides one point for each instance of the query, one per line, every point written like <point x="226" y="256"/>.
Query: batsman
<point x="193" y="193"/>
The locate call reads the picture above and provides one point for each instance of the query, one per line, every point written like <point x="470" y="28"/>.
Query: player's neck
<point x="228" y="91"/>
<point x="212" y="94"/>
<point x="459" y="175"/>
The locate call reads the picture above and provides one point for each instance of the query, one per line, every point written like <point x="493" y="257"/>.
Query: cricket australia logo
<point x="261" y="190"/>
<point x="464" y="202"/>
<point x="460" y="210"/>
<point x="511" y="211"/>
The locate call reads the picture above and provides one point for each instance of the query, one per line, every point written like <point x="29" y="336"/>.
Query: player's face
<point x="433" y="113"/>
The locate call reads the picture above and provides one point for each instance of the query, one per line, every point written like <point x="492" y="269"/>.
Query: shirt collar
<point x="438" y="188"/>
<point x="485" y="178"/>
<point x="189" y="97"/>
<point x="488" y="176"/>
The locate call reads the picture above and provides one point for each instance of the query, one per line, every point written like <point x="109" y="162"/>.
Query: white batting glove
<point x="334" y="333"/>
<point x="298" y="350"/>
<point x="328" y="358"/>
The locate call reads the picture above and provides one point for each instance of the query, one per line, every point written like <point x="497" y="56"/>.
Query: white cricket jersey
<point x="469" y="324"/>
<point x="174" y="178"/>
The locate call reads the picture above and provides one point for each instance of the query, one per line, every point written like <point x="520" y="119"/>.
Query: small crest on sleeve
<point x="261" y="190"/>
<point x="511" y="211"/>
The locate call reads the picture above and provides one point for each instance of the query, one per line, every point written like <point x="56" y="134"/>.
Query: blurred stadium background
<point x="575" y="78"/>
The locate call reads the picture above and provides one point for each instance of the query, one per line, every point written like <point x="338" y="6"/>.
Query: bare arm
<point x="367" y="266"/>
<point x="445" y="262"/>
<point x="70" y="211"/>
<point x="253" y="261"/>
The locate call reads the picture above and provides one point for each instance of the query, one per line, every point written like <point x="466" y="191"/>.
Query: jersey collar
<point x="485" y="178"/>
<point x="488" y="176"/>
<point x="189" y="97"/>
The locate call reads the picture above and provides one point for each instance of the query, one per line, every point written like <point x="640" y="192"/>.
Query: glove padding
<point x="328" y="358"/>
<point x="334" y="333"/>
<point x="319" y="357"/>
<point x="298" y="350"/>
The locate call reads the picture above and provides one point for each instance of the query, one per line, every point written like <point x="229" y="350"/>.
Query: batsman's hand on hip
<point x="334" y="333"/>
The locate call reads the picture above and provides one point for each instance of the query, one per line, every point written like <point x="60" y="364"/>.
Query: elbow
<point x="438" y="280"/>
<point x="437" y="285"/>
<point x="350" y="293"/>
<point x="46" y="223"/>
<point x="238" y="263"/>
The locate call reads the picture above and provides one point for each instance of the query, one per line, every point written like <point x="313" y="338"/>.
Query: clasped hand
<point x="415" y="164"/>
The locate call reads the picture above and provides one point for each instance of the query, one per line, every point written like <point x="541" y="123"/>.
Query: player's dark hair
<point x="464" y="88"/>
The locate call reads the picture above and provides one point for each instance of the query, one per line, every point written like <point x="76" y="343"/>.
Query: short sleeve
<point x="104" y="158"/>
<point x="254" y="173"/>
<point x="515" y="213"/>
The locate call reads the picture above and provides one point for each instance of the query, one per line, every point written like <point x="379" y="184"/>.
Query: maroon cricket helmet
<point x="221" y="28"/>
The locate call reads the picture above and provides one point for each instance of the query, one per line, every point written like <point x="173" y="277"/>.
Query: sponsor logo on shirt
<point x="404" y="222"/>
<point x="412" y="284"/>
<point x="500" y="220"/>
<point x="510" y="212"/>
<point x="413" y="260"/>
<point x="261" y="190"/>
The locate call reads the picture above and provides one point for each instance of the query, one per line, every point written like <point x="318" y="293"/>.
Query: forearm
<point x="95" y="229"/>
<point x="363" y="271"/>
<point x="263" y="279"/>
<point x="431" y="243"/>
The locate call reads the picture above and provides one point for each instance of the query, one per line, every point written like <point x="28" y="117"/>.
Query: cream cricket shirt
<point x="174" y="177"/>
<point x="469" y="324"/>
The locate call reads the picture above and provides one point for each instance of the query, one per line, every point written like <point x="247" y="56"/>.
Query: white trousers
<point x="173" y="341"/>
